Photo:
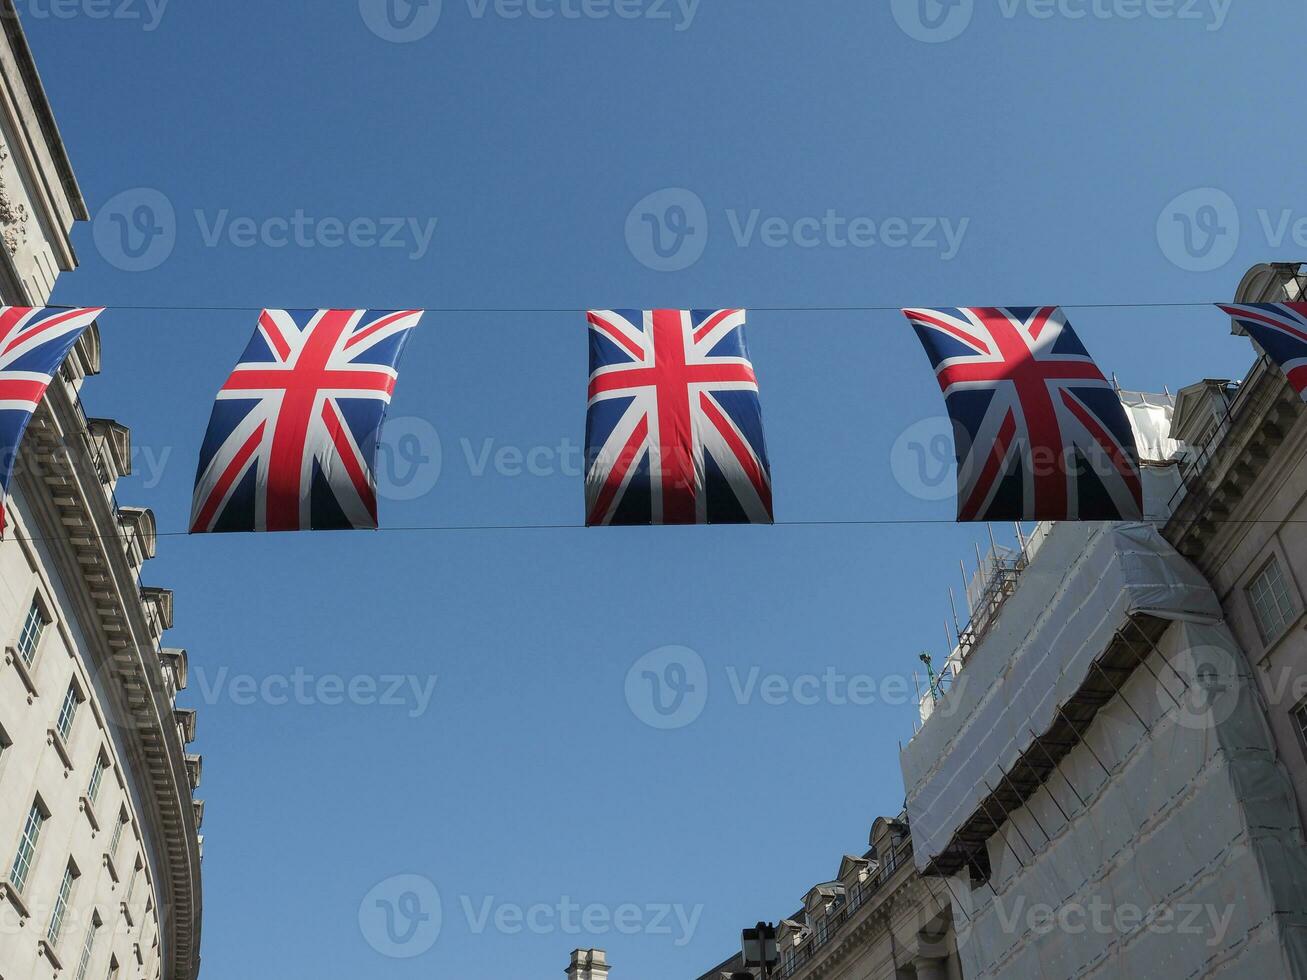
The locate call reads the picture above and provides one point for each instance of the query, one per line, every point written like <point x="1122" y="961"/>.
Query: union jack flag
<point x="33" y="344"/>
<point x="1280" y="329"/>
<point x="674" y="426"/>
<point x="292" y="440"/>
<point x="1041" y="434"/>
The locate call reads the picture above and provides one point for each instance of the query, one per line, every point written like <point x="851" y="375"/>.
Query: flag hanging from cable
<point x="1040" y="433"/>
<point x="33" y="345"/>
<point x="1280" y="329"/>
<point x="674" y="423"/>
<point x="292" y="440"/>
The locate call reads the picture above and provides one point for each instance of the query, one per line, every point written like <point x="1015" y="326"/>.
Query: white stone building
<point x="1241" y="517"/>
<point x="877" y="919"/>
<point x="1108" y="794"/>
<point x="99" y="844"/>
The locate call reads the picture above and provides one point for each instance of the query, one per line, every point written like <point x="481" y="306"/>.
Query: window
<point x="93" y="789"/>
<point x="1208" y="437"/>
<point x="113" y="969"/>
<point x="131" y="884"/>
<point x="1299" y="715"/>
<point x="117" y="834"/>
<point x="30" y="637"/>
<point x="1269" y="598"/>
<point x="27" y="847"/>
<point x="67" y="713"/>
<point x="61" y="905"/>
<point x="88" y="945"/>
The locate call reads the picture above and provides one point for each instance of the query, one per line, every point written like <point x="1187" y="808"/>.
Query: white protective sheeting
<point x="1081" y="588"/>
<point x="1150" y="418"/>
<point x="1187" y="862"/>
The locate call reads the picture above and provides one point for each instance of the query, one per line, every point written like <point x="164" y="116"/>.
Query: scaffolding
<point x="992" y="583"/>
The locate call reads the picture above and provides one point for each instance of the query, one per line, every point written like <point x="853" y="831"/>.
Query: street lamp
<point x="759" y="948"/>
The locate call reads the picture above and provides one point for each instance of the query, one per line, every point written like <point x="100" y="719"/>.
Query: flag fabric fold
<point x="674" y="429"/>
<point x="34" y="342"/>
<point x="292" y="439"/>
<point x="1280" y="329"/>
<point x="1040" y="433"/>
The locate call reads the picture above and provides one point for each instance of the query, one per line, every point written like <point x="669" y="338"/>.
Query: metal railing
<point x="994" y="583"/>
<point x="1202" y="461"/>
<point x="828" y="927"/>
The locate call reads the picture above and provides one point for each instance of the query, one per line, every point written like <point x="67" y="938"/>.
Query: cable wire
<point x="113" y="307"/>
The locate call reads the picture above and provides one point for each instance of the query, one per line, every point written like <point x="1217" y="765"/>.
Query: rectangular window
<point x="890" y="862"/>
<point x="1299" y="716"/>
<point x="1269" y="597"/>
<point x="27" y="847"/>
<point x="93" y="789"/>
<point x="88" y="945"/>
<point x="117" y="835"/>
<point x="30" y="637"/>
<point x="67" y="713"/>
<point x="60" y="906"/>
<point x="131" y="885"/>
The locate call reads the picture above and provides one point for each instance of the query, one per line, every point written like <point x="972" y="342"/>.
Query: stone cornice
<point x="76" y="519"/>
<point x="32" y="93"/>
<point x="1208" y="521"/>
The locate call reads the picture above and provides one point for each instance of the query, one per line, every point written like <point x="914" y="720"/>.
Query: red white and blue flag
<point x="33" y="345"/>
<point x="1040" y="433"/>
<point x="674" y="426"/>
<point x="1280" y="329"/>
<point x="293" y="437"/>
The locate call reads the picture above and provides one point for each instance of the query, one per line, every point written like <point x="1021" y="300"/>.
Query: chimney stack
<point x="588" y="964"/>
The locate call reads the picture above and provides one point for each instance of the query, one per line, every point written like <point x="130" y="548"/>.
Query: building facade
<point x="878" y="919"/>
<point x="1241" y="518"/>
<point x="1109" y="792"/>
<point x="1110" y="778"/>
<point x="99" y="843"/>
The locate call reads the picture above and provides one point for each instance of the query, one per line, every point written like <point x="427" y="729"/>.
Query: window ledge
<point x="57" y="740"/>
<point x="89" y="809"/>
<point x="111" y="867"/>
<point x="46" y="950"/>
<point x="127" y="913"/>
<point x="10" y="892"/>
<point x="24" y="672"/>
<point x="1269" y="645"/>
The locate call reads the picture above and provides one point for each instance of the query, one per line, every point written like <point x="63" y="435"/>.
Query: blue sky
<point x="1057" y="148"/>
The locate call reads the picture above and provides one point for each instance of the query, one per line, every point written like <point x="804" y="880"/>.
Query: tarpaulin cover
<point x="1084" y="584"/>
<point x="1186" y="862"/>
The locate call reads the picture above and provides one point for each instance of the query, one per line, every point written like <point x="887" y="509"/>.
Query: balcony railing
<point x="1205" y="460"/>
<point x="828" y="927"/>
